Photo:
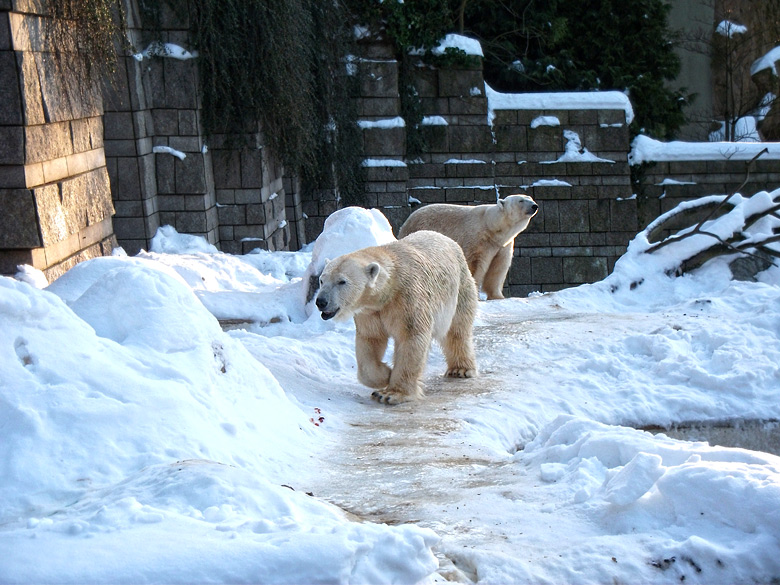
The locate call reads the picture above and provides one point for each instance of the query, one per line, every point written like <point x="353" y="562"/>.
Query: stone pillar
<point x="161" y="171"/>
<point x="384" y="133"/>
<point x="166" y="171"/>
<point x="250" y="196"/>
<point x="55" y="199"/>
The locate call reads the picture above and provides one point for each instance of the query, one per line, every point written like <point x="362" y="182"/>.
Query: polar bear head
<point x="510" y="215"/>
<point x="519" y="209"/>
<point x="348" y="283"/>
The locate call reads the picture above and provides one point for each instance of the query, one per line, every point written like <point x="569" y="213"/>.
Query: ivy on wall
<point x="277" y="66"/>
<point x="82" y="36"/>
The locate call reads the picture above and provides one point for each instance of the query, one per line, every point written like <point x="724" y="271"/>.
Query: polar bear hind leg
<point x="458" y="344"/>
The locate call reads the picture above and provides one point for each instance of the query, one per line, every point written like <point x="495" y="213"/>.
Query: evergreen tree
<point x="556" y="45"/>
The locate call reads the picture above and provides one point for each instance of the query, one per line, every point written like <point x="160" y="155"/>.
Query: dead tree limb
<point x="737" y="242"/>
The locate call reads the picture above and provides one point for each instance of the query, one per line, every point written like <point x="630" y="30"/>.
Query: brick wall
<point x="54" y="189"/>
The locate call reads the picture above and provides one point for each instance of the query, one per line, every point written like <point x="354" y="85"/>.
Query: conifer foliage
<point x="554" y="45"/>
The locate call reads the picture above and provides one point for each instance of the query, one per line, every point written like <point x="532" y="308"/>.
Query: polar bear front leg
<point x="493" y="283"/>
<point x="370" y="346"/>
<point x="409" y="360"/>
<point x="369" y="351"/>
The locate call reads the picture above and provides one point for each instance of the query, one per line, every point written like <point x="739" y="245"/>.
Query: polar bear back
<point x="431" y="269"/>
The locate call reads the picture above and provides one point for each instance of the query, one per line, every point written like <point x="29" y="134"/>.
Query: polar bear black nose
<point x="534" y="208"/>
<point x="321" y="303"/>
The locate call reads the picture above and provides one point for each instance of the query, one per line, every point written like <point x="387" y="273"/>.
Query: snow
<point x="168" y="150"/>
<point x="765" y="106"/>
<point x="575" y="152"/>
<point x="397" y="122"/>
<point x="455" y="41"/>
<point x="669" y="181"/>
<point x="590" y="100"/>
<point x="646" y="149"/>
<point x="141" y="442"/>
<point x="550" y="183"/>
<point x="383" y="162"/>
<point x="171" y="50"/>
<point x="545" y="121"/>
<point x="729" y="29"/>
<point x="168" y="241"/>
<point x="766" y="62"/>
<point x="745" y="130"/>
<point x="434" y="121"/>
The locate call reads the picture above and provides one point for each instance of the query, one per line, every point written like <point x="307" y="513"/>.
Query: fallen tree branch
<point x="738" y="242"/>
<point x="687" y="210"/>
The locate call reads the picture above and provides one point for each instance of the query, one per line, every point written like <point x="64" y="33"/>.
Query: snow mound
<point x="168" y="241"/>
<point x="178" y="522"/>
<point x="344" y="231"/>
<point x="139" y="443"/>
<point x="630" y="481"/>
<point x="136" y="372"/>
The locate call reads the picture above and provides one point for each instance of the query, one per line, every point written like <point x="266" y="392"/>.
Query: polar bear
<point x="485" y="232"/>
<point x="414" y="291"/>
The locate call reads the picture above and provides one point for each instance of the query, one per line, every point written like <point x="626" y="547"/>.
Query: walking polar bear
<point x="413" y="290"/>
<point x="485" y="232"/>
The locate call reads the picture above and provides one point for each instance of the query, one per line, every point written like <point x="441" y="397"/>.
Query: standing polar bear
<point x="412" y="290"/>
<point x="485" y="232"/>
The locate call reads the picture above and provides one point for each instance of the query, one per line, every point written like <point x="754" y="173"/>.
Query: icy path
<point x="439" y="465"/>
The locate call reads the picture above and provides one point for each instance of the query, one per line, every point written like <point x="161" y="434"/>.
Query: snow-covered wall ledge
<point x="590" y="100"/>
<point x="645" y="149"/>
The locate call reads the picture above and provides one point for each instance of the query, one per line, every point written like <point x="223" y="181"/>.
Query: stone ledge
<point x="47" y="257"/>
<point x="42" y="173"/>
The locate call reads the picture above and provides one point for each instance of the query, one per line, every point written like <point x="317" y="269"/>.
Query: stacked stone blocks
<point x="54" y="188"/>
<point x="587" y="215"/>
<point x="166" y="171"/>
<point x="665" y="184"/>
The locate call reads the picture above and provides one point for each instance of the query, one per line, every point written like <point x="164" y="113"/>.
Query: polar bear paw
<point x="461" y="373"/>
<point x="397" y="395"/>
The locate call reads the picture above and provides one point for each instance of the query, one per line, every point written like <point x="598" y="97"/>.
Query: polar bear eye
<point x="341" y="282"/>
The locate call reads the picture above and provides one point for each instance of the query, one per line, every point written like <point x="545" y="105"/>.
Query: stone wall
<point x="54" y="188"/>
<point x="665" y="184"/>
<point x="479" y="147"/>
<point x="165" y="171"/>
<point x="69" y="157"/>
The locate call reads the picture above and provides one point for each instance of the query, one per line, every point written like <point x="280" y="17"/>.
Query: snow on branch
<point x="725" y="225"/>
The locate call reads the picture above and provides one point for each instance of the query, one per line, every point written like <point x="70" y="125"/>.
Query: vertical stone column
<point x="161" y="171"/>
<point x="384" y="133"/>
<point x="54" y="189"/>
<point x="166" y="171"/>
<point x="250" y="192"/>
<point x="129" y="135"/>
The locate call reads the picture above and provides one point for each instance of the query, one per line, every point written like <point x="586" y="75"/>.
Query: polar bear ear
<point x="372" y="270"/>
<point x="500" y="202"/>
